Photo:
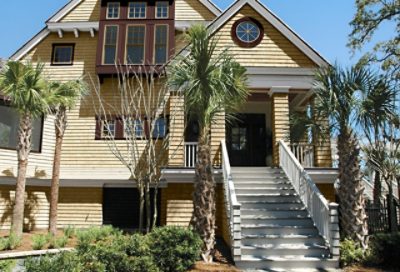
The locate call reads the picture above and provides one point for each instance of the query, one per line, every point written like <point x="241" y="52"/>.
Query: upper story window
<point x="247" y="32"/>
<point x="162" y="9"/>
<point x="63" y="54"/>
<point x="137" y="10"/>
<point x="113" y="10"/>
<point x="160" y="46"/>
<point x="9" y="126"/>
<point x="110" y="44"/>
<point x="135" y="44"/>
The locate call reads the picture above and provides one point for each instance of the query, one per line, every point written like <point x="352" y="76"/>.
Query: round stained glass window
<point x="247" y="32"/>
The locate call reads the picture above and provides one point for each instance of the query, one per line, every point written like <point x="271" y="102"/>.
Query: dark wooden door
<point x="121" y="207"/>
<point x="246" y="141"/>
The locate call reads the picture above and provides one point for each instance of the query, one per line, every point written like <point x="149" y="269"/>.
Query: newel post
<point x="334" y="229"/>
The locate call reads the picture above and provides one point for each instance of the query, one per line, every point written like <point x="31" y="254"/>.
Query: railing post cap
<point x="333" y="205"/>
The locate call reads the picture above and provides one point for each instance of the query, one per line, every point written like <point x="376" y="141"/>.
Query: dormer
<point x="135" y="33"/>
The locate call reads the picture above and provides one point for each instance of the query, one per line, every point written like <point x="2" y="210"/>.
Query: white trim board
<point x="30" y="44"/>
<point x="211" y="7"/>
<point x="64" y="11"/>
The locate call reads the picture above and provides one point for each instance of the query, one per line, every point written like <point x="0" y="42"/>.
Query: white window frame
<point x="129" y="10"/>
<point x="144" y="44"/>
<point x="156" y="10"/>
<point x="166" y="45"/>
<point x="108" y="9"/>
<point x="104" y="45"/>
<point x="105" y="130"/>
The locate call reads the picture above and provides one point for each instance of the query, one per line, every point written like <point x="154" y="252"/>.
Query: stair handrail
<point x="231" y="204"/>
<point x="323" y="213"/>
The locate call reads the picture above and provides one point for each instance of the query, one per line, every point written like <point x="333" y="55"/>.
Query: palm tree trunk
<point x="353" y="219"/>
<point x="203" y="220"/>
<point x="377" y="188"/>
<point x="23" y="150"/>
<point x="60" y="124"/>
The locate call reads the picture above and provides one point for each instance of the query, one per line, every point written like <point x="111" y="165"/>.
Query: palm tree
<point x="62" y="96"/>
<point x="24" y="85"/>
<point x="342" y="96"/>
<point x="213" y="83"/>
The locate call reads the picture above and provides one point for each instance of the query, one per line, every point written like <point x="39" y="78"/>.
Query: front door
<point x="246" y="140"/>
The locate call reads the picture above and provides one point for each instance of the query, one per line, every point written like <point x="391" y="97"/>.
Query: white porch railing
<point x="231" y="204"/>
<point x="324" y="214"/>
<point x="190" y="154"/>
<point x="304" y="153"/>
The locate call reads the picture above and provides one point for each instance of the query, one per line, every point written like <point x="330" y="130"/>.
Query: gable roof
<point x="61" y="13"/>
<point x="276" y="22"/>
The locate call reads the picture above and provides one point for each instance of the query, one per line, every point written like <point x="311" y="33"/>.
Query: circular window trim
<point x="247" y="44"/>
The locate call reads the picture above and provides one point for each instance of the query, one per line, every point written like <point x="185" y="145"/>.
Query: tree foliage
<point x="370" y="15"/>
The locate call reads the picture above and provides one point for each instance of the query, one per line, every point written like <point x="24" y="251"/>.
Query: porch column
<point x="217" y="134"/>
<point x="280" y="118"/>
<point x="176" y="131"/>
<point x="322" y="146"/>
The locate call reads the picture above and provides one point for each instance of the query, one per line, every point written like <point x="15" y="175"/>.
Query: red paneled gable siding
<point x="123" y="22"/>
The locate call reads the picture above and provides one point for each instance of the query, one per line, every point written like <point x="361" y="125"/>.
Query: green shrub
<point x="70" y="231"/>
<point x="7" y="265"/>
<point x="385" y="249"/>
<point x="39" y="241"/>
<point x="65" y="262"/>
<point x="3" y="243"/>
<point x="350" y="253"/>
<point x="174" y="248"/>
<point x="142" y="264"/>
<point x="12" y="242"/>
<point x="59" y="242"/>
<point x="94" y="234"/>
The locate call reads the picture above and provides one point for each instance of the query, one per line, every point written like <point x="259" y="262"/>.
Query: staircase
<point x="277" y="232"/>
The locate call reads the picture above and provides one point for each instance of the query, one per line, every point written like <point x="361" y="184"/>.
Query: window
<point x="108" y="129"/>
<point x="113" y="10"/>
<point x="137" y="10"/>
<point x="63" y="54"/>
<point x="162" y="9"/>
<point x="135" y="126"/>
<point x="159" y="130"/>
<point x="160" y="47"/>
<point x="239" y="138"/>
<point x="110" y="44"/>
<point x="247" y="32"/>
<point x="9" y="125"/>
<point x="135" y="45"/>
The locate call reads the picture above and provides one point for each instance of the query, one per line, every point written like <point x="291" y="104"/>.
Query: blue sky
<point x="323" y="24"/>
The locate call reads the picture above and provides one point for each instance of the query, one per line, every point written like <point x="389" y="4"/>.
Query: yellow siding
<point x="40" y="164"/>
<point x="80" y="207"/>
<point x="275" y="50"/>
<point x="217" y="134"/>
<point x="87" y="10"/>
<point x="177" y="129"/>
<point x="177" y="206"/>
<point x="280" y="122"/>
<point x="192" y="10"/>
<point x="328" y="190"/>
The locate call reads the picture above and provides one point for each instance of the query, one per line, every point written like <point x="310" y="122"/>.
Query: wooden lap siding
<point x="79" y="207"/>
<point x="176" y="131"/>
<point x="177" y="207"/>
<point x="280" y="122"/>
<point x="275" y="50"/>
<point x="87" y="10"/>
<point x="192" y="10"/>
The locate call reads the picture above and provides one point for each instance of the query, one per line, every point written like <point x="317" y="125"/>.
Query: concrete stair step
<point x="276" y="213"/>
<point x="263" y="185"/>
<point x="288" y="241"/>
<point x="262" y="229"/>
<point x="277" y="222"/>
<point x="266" y="191"/>
<point x="272" y="205"/>
<point x="255" y="178"/>
<point x="286" y="262"/>
<point x="272" y="198"/>
<point x="283" y="250"/>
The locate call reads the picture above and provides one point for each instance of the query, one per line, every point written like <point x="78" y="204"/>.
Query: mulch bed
<point x="359" y="268"/>
<point x="26" y="243"/>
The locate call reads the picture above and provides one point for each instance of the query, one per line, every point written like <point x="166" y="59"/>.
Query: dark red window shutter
<point x="119" y="128"/>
